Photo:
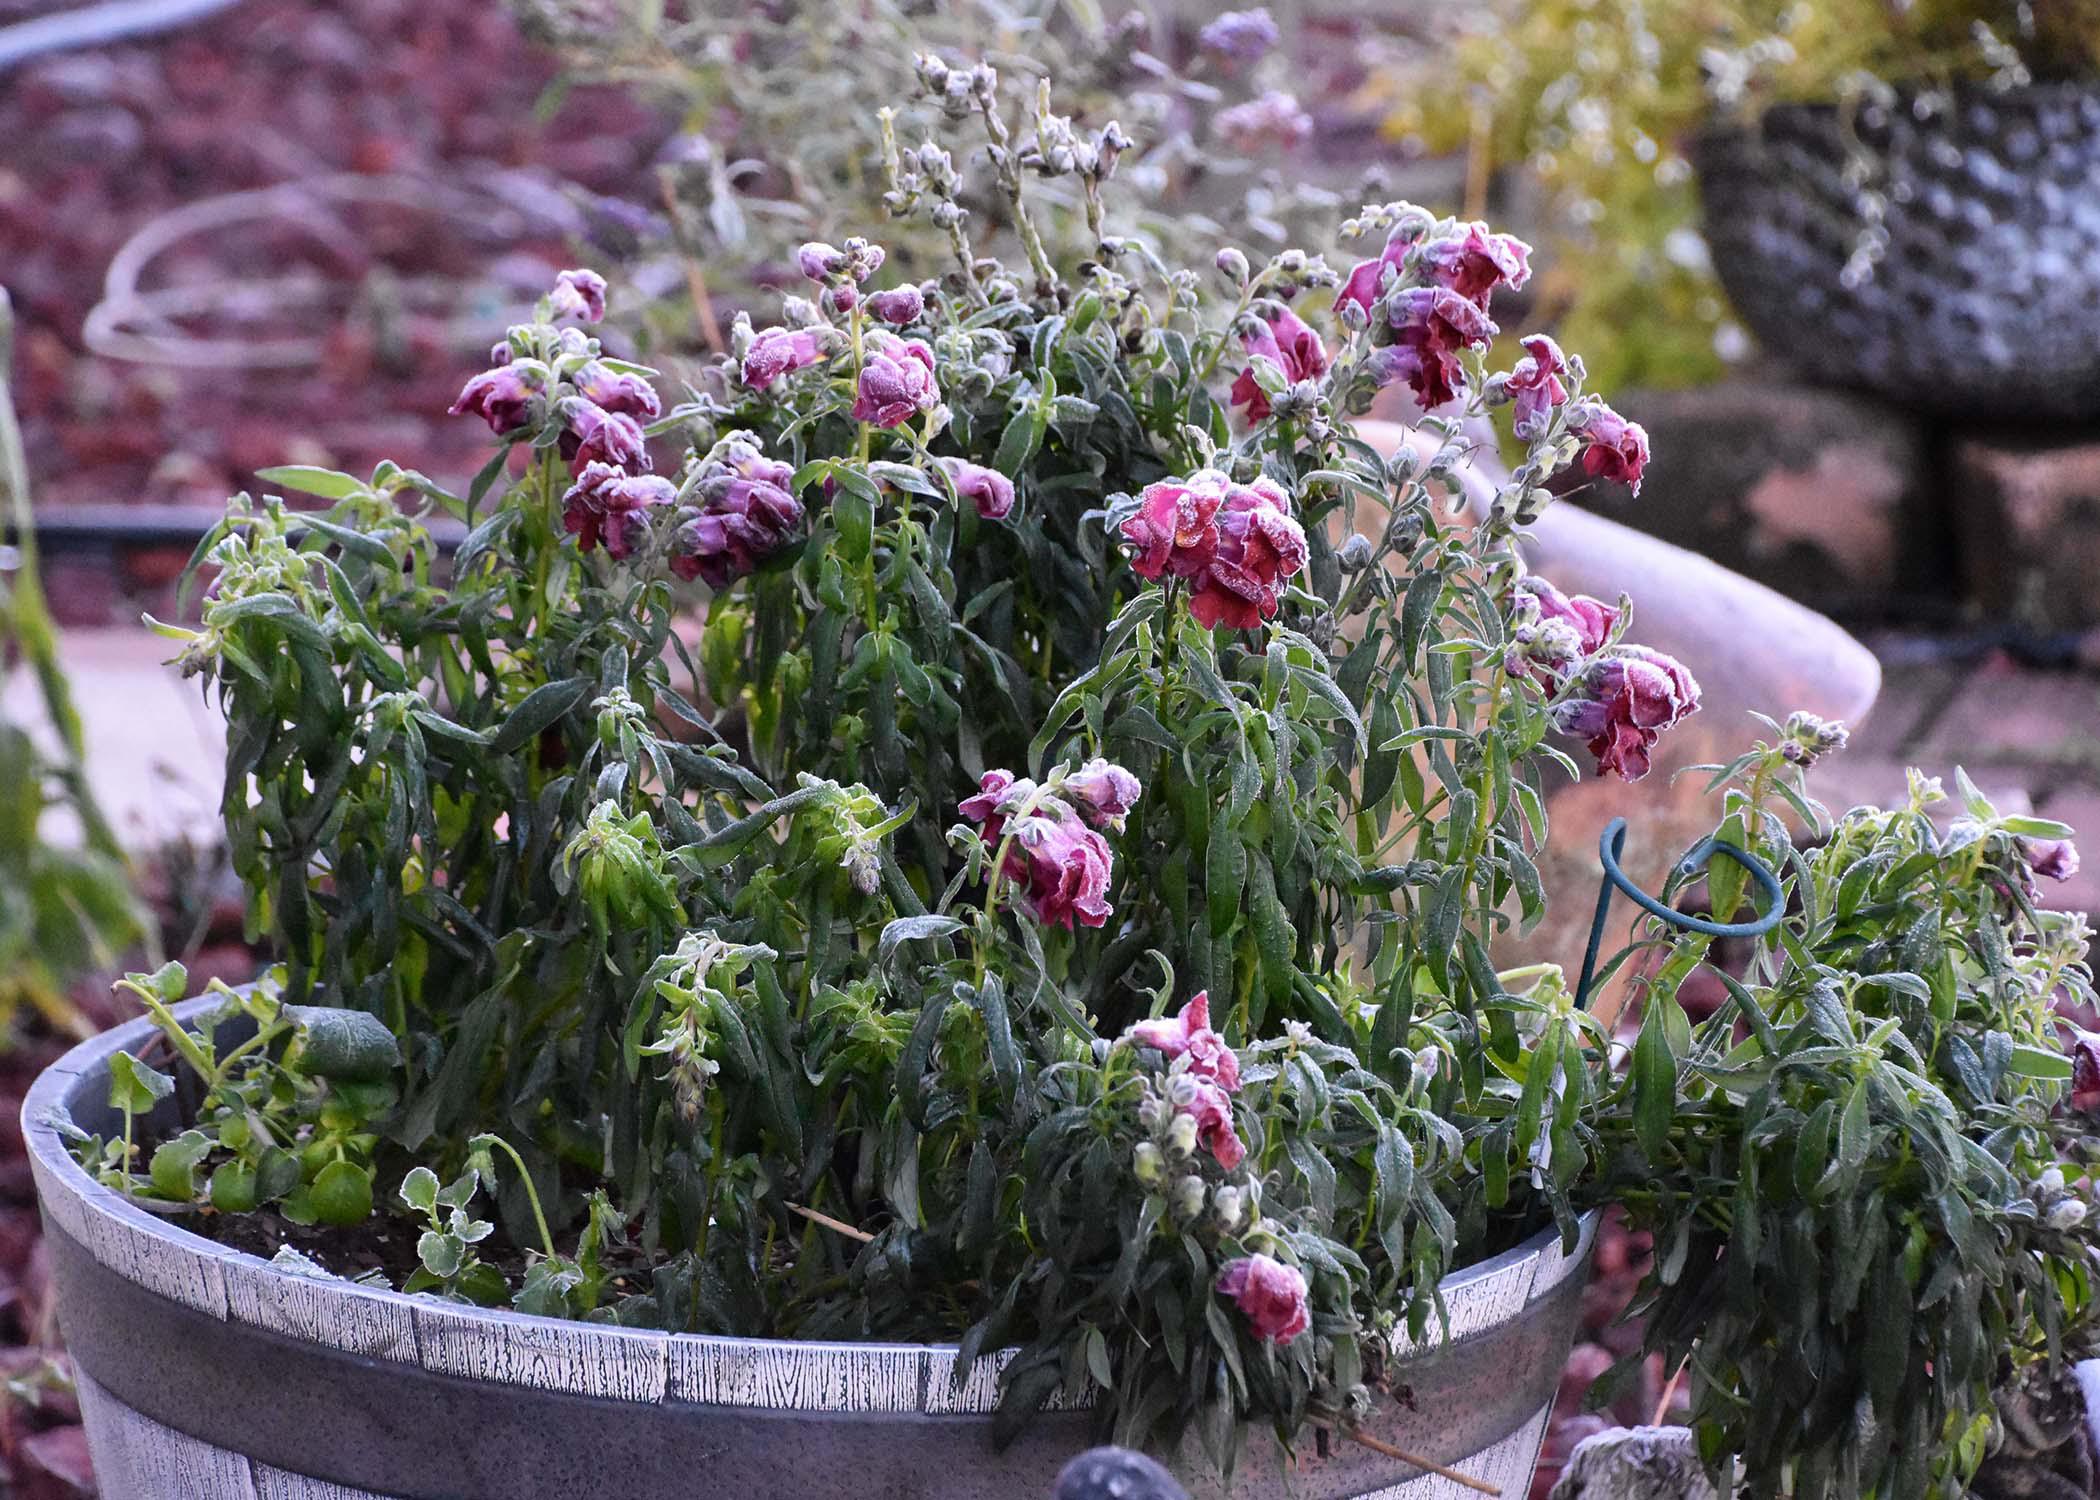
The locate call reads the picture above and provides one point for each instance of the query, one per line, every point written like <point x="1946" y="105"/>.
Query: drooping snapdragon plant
<point x="1002" y="835"/>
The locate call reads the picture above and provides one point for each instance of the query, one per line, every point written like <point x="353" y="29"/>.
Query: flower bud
<point x="2068" y="1214"/>
<point x="1228" y="1209"/>
<point x="1355" y="555"/>
<point x="1152" y="1113"/>
<point x="1190" y="1192"/>
<point x="1148" y="1164"/>
<point x="2052" y="1181"/>
<point x="1181" y="1136"/>
<point x="1232" y="265"/>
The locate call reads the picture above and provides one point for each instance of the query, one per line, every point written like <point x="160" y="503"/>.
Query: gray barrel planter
<point x="1939" y="248"/>
<point x="208" y="1374"/>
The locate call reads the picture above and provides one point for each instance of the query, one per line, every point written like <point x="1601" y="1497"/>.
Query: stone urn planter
<point x="1941" y="249"/>
<point x="209" y="1374"/>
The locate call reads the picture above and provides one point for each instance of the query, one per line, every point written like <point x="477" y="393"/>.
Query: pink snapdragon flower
<point x="1260" y="546"/>
<point x="1431" y="325"/>
<point x="1591" y="619"/>
<point x="1628" y="699"/>
<point x="1366" y="277"/>
<point x="1189" y="1035"/>
<point x="595" y="435"/>
<point x="745" y="514"/>
<point x="1475" y="263"/>
<point x="1535" y="385"/>
<point x="1287" y="342"/>
<point x="2085" y="1072"/>
<point x="2052" y="859"/>
<point x="896" y="381"/>
<point x="579" y="294"/>
<point x="1272" y="1296"/>
<point x="781" y="351"/>
<point x="1062" y="866"/>
<point x="505" y="397"/>
<point x="1103" y="792"/>
<point x="1236" y="543"/>
<point x="618" y="391"/>
<point x="1618" y="449"/>
<point x="900" y="306"/>
<point x="1211" y="1108"/>
<point x="609" y="505"/>
<point x="991" y="491"/>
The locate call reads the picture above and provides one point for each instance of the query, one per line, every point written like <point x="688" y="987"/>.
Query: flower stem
<point x="532" y="1194"/>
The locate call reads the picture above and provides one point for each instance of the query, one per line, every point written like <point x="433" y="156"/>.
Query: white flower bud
<point x="2068" y="1214"/>
<point x="1181" y="1136"/>
<point x="1189" y="1194"/>
<point x="1148" y="1164"/>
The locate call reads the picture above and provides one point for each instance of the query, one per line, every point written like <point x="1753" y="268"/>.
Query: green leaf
<point x="134" y="1087"/>
<point x="345" y="1044"/>
<point x="175" y="1163"/>
<point x="902" y="930"/>
<point x="1225" y="874"/>
<point x="545" y="705"/>
<point x="307" y="480"/>
<point x="419" y="1190"/>
<point x="1654" y="1081"/>
<point x="2038" y="1062"/>
<point x="341" y="1194"/>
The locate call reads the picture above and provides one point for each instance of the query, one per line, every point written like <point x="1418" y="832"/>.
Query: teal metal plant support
<point x="1614" y="843"/>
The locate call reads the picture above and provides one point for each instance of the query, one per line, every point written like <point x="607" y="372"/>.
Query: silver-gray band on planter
<point x="208" y="1374"/>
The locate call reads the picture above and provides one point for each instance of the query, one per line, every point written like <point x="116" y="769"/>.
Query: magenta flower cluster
<point x="1620" y="699"/>
<point x="1207" y="1075"/>
<point x="1051" y="837"/>
<point x="744" y="513"/>
<point x="1235" y="544"/>
<point x="1286" y="341"/>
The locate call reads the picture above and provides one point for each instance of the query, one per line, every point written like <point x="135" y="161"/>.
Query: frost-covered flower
<point x="595" y="435"/>
<point x="900" y="306"/>
<point x="1240" y="37"/>
<point x="1618" y="449"/>
<point x="2052" y="859"/>
<point x="609" y="505"/>
<point x="1475" y="263"/>
<point x="1535" y="385"/>
<point x="991" y="491"/>
<point x="1189" y="1035"/>
<point x="896" y="381"/>
<point x="1211" y="1108"/>
<point x="1591" y="620"/>
<point x="1103" y="792"/>
<point x="1366" y="279"/>
<point x="1287" y="342"/>
<point x="618" y="390"/>
<point x="2085" y="1072"/>
<point x="1431" y="325"/>
<point x="1272" y="1296"/>
<point x="745" y="514"/>
<point x="1275" y="119"/>
<point x="1175" y="530"/>
<point x="1808" y="739"/>
<point x="1260" y="546"/>
<point x="578" y="294"/>
<point x="1627" y="700"/>
<point x="505" y="397"/>
<point x="781" y="351"/>
<point x="1062" y="866"/>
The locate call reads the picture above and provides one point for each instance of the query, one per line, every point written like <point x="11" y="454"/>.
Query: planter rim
<point x="191" y="1352"/>
<point x="49" y="1096"/>
<point x="1960" y="91"/>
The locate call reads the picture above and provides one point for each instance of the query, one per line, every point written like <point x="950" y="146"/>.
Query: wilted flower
<point x="610" y="505"/>
<point x="1259" y="546"/>
<point x="1189" y="1035"/>
<point x="504" y="397"/>
<point x="1367" y="277"/>
<point x="746" y="514"/>
<point x="991" y="491"/>
<point x="1618" y="449"/>
<point x="781" y="351"/>
<point x="1175" y="530"/>
<point x="2085" y="1072"/>
<point x="1627" y="700"/>
<point x="1211" y="1108"/>
<point x="580" y="295"/>
<point x="1285" y="341"/>
<point x="1274" y="119"/>
<point x="896" y="381"/>
<point x="595" y="435"/>
<point x="1103" y="792"/>
<point x="1272" y="1296"/>
<point x="618" y="390"/>
<point x="1535" y="385"/>
<point x="1062" y="865"/>
<point x="900" y="306"/>
<point x="2052" y="859"/>
<point x="1431" y="324"/>
<point x="1475" y="263"/>
<point x="1591" y="619"/>
<point x="1240" y="36"/>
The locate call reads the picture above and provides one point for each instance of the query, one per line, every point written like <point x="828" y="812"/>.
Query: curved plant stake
<point x="1609" y="848"/>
